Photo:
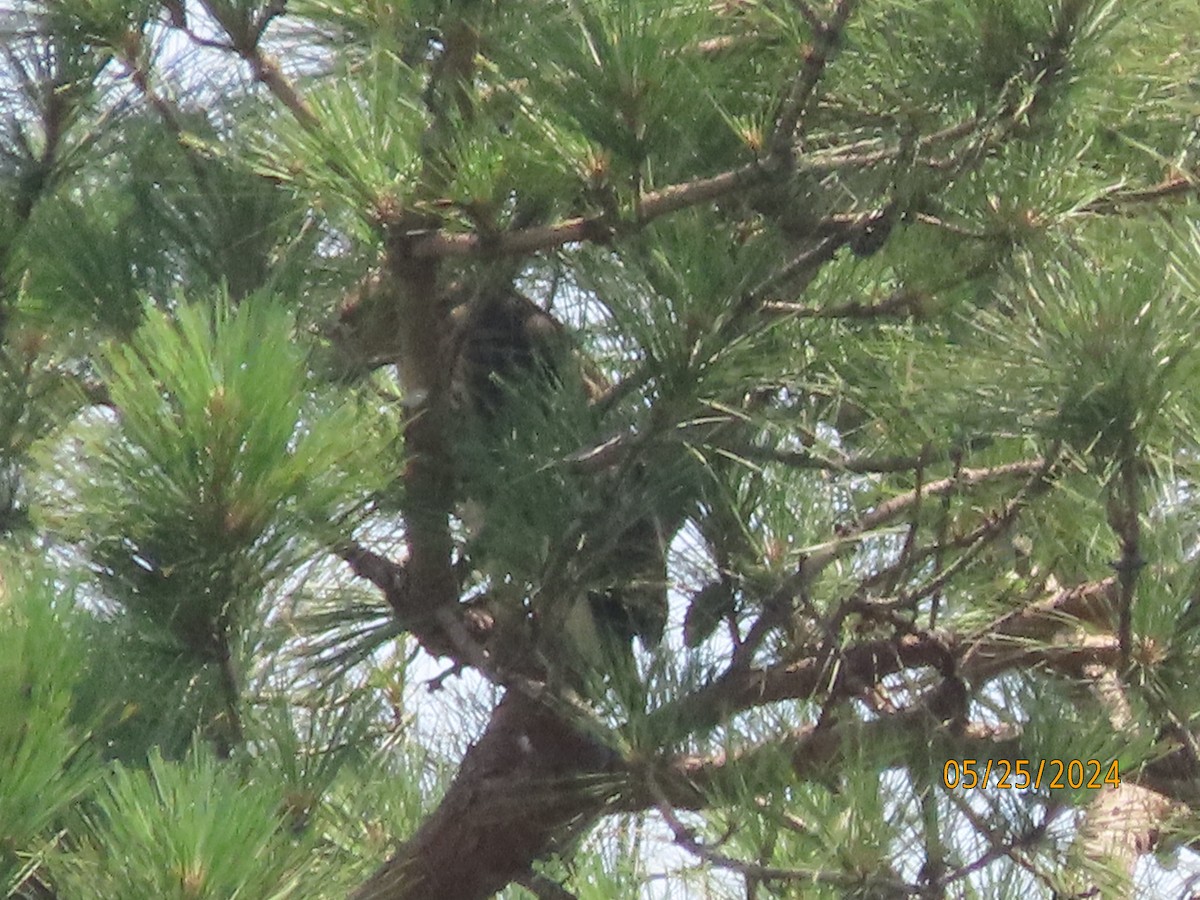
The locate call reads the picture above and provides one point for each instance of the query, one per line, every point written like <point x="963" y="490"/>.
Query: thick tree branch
<point x="537" y="238"/>
<point x="530" y="781"/>
<point x="408" y="605"/>
<point x="1019" y="637"/>
<point x="1123" y="822"/>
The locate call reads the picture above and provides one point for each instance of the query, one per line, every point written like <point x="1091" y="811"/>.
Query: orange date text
<point x="1022" y="774"/>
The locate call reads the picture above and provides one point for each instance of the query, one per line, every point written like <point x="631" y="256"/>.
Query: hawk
<point x="527" y="400"/>
<point x="524" y="401"/>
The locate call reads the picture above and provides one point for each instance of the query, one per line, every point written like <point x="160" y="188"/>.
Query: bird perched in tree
<point x="583" y="546"/>
<point x="502" y="347"/>
<point x="527" y="396"/>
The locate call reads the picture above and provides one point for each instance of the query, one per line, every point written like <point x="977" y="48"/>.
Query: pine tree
<point x="598" y="449"/>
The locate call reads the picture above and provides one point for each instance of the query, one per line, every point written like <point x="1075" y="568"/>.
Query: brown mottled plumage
<point x="501" y="345"/>
<point x="505" y="345"/>
<point x="502" y="337"/>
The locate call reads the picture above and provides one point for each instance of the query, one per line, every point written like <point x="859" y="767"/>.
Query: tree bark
<point x="530" y="784"/>
<point x="1122" y="823"/>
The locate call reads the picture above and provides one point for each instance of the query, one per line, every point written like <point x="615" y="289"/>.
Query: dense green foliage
<point x="880" y="316"/>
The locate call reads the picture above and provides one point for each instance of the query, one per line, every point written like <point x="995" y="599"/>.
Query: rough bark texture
<point x="1122" y="823"/>
<point x="530" y="782"/>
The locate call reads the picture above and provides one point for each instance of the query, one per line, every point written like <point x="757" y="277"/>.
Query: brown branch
<point x="411" y="286"/>
<point x="830" y="658"/>
<point x="775" y="610"/>
<point x="988" y="530"/>
<point x="656" y="204"/>
<point x="245" y="40"/>
<point x="992" y="527"/>
<point x="802" y="268"/>
<point x="814" y="22"/>
<point x="858" y="667"/>
<point x="896" y="507"/>
<point x="902" y="303"/>
<point x="57" y="101"/>
<point x="168" y="112"/>
<point x="1124" y="507"/>
<point x="1019" y="638"/>
<point x="727" y="42"/>
<point x="462" y="639"/>
<point x="529" y="782"/>
<point x="1125" y="822"/>
<point x="826" y="37"/>
<point x="688" y="781"/>
<point x="863" y="155"/>
<point x="653" y="205"/>
<point x="453" y="71"/>
<point x="57" y="105"/>
<point x="999" y="849"/>
<point x="815" y="749"/>
<point x="837" y="462"/>
<point x="229" y="734"/>
<point x="266" y="70"/>
<point x="1181" y="187"/>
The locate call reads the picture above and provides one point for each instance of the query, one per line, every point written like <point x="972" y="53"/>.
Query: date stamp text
<point x="1022" y="774"/>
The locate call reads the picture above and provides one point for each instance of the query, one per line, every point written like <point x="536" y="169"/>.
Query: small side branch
<point x="826" y="37"/>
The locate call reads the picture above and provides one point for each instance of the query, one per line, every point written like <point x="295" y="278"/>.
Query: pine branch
<point x="529" y="778"/>
<point x="826" y="37"/>
<point x="246" y="39"/>
<point x="1116" y="201"/>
